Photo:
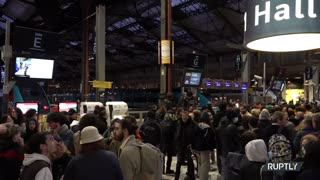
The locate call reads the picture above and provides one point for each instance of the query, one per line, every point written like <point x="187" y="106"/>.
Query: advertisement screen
<point x="278" y="85"/>
<point x="66" y="106"/>
<point x="25" y="106"/>
<point x="34" y="68"/>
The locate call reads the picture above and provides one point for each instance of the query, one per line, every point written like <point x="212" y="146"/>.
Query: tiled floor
<point x="213" y="174"/>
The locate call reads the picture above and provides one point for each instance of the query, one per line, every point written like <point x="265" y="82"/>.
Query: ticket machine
<point x="88" y="107"/>
<point x="116" y="109"/>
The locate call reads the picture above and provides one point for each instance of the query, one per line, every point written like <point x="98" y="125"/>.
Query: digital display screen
<point x="66" y="106"/>
<point x="34" y="68"/>
<point x="244" y="86"/>
<point x="227" y="84"/>
<point x="25" y="106"/>
<point x="218" y="83"/>
<point x="208" y="82"/>
<point x="236" y="84"/>
<point x="278" y="85"/>
<point x="192" y="78"/>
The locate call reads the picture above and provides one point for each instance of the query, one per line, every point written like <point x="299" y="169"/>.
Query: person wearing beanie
<point x="93" y="162"/>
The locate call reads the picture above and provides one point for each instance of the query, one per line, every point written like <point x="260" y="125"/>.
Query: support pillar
<point x="85" y="51"/>
<point x="315" y="81"/>
<point x="6" y="55"/>
<point x="165" y="69"/>
<point x="100" y="47"/>
<point x="245" y="75"/>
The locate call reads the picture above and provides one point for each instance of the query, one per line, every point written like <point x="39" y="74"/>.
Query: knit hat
<point x="90" y="134"/>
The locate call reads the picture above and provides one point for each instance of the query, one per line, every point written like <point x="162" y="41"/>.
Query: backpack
<point x="30" y="171"/>
<point x="280" y="148"/>
<point x="151" y="162"/>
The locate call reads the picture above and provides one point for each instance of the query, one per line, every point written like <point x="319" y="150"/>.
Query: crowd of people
<point x="245" y="138"/>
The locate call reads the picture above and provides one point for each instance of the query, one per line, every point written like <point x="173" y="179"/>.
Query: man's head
<point x="91" y="140"/>
<point x="124" y="128"/>
<point x="185" y="116"/>
<point x="55" y="120"/>
<point x="41" y="143"/>
<point x="72" y="114"/>
<point x="243" y="109"/>
<point x="277" y="117"/>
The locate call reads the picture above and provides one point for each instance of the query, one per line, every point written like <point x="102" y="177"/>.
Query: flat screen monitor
<point x="208" y="82"/>
<point x="66" y="106"/>
<point x="217" y="83"/>
<point x="278" y="85"/>
<point x="192" y="78"/>
<point x="244" y="86"/>
<point x="227" y="84"/>
<point x="34" y="68"/>
<point x="236" y="85"/>
<point x="25" y="106"/>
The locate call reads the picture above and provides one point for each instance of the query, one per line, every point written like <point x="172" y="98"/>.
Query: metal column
<point x="100" y="47"/>
<point x="315" y="81"/>
<point x="165" y="70"/>
<point x="6" y="56"/>
<point x="245" y="75"/>
<point x="85" y="53"/>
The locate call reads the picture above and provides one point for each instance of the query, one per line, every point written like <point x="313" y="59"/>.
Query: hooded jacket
<point x="203" y="137"/>
<point x="256" y="152"/>
<point x="45" y="173"/>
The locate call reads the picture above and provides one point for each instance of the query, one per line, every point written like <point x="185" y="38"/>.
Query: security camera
<point x="257" y="77"/>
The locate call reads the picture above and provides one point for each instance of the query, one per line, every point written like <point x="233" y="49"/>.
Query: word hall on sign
<point x="264" y="13"/>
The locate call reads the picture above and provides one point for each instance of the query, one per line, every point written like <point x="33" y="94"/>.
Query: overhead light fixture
<point x="278" y="26"/>
<point x="297" y="77"/>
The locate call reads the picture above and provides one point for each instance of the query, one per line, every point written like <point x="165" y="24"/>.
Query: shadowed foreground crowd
<point x="245" y="139"/>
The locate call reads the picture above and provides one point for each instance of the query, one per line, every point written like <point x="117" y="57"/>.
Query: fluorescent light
<point x="287" y="43"/>
<point x="297" y="77"/>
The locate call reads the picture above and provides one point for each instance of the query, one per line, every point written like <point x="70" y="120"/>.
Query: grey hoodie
<point x="45" y="173"/>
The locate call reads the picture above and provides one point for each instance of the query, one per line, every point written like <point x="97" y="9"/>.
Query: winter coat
<point x="228" y="138"/>
<point x="203" y="138"/>
<point x="185" y="134"/>
<point x="256" y="152"/>
<point x="96" y="165"/>
<point x="130" y="160"/>
<point x="11" y="157"/>
<point x="45" y="173"/>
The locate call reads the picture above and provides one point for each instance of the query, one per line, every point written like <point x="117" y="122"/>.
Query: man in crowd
<point x="36" y="163"/>
<point x="56" y="123"/>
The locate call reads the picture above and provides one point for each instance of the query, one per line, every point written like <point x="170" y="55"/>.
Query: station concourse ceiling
<point x="212" y="27"/>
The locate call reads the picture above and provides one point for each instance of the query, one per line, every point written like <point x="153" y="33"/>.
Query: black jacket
<point x="185" y="134"/>
<point x="251" y="170"/>
<point x="203" y="138"/>
<point x="228" y="137"/>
